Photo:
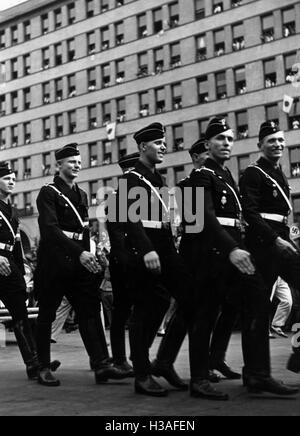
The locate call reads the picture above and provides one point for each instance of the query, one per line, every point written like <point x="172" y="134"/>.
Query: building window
<point x="294" y="118"/>
<point x="57" y="18"/>
<point x="15" y="136"/>
<point x="243" y="163"/>
<point x="28" y="202"/>
<point x="221" y="85"/>
<point x="27" y="64"/>
<point x="199" y="9"/>
<point x="2" y="105"/>
<point x="91" y="39"/>
<point x="159" y="60"/>
<point x="157" y="20"/>
<point x="104" y="6"/>
<point x="72" y="122"/>
<point x="14" y="35"/>
<point x="119" y="33"/>
<point x="160" y="100"/>
<point x="92" y="79"/>
<point x="177" y="96"/>
<point x="59" y="125"/>
<point x="27" y="133"/>
<point x="90" y="8"/>
<point x="58" y="54"/>
<point x="71" y="13"/>
<point x="122" y="147"/>
<point x="46" y="128"/>
<point x="270" y="73"/>
<point x="175" y="55"/>
<point x="27" y="168"/>
<point x="201" y="50"/>
<point x="93" y="188"/>
<point x="15" y="166"/>
<point x="203" y="126"/>
<point x="14" y="200"/>
<point x="144" y="104"/>
<point x="46" y="164"/>
<point x="27" y="30"/>
<point x="120" y="71"/>
<point x="272" y="113"/>
<point x="2" y="72"/>
<point x="46" y="93"/>
<point x="92" y="112"/>
<point x="58" y="89"/>
<point x="2" y="139"/>
<point x="14" y="68"/>
<point x="238" y="37"/>
<point x="289" y="23"/>
<point x="143" y="69"/>
<point x="142" y="26"/>
<point x="267" y="28"/>
<point x="105" y="38"/>
<point x="106" y="75"/>
<point x="71" y="86"/>
<point x="240" y="81"/>
<point x="27" y="98"/>
<point x="2" y="39"/>
<point x="174" y="14"/>
<point x="203" y="89"/>
<point x="45" y="23"/>
<point x="121" y="110"/>
<point x="106" y="111"/>
<point x="46" y="58"/>
<point x="219" y="38"/>
<point x="295" y="162"/>
<point x="14" y="102"/>
<point x="242" y="124"/>
<point x="218" y="7"/>
<point x="93" y="154"/>
<point x="71" y="50"/>
<point x="179" y="174"/>
<point x="289" y="62"/>
<point x="178" y="138"/>
<point x="107" y="153"/>
<point x="236" y="3"/>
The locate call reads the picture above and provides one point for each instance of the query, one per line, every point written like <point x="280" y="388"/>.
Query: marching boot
<point x="163" y="365"/>
<point x="201" y="388"/>
<point x="27" y="348"/>
<point x="45" y="376"/>
<point x="257" y="385"/>
<point x="225" y="370"/>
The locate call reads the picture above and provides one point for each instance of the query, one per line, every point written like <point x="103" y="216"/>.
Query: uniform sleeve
<point x="251" y="186"/>
<point x="135" y="231"/>
<point x="221" y="237"/>
<point x="49" y="227"/>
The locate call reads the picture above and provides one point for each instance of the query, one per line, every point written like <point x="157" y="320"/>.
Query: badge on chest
<point x="224" y="199"/>
<point x="275" y="192"/>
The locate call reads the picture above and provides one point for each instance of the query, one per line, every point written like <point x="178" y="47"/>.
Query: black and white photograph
<point x="150" y="210"/>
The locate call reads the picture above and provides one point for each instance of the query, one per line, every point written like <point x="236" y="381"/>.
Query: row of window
<point x="66" y="87"/>
<point x="65" y="51"/>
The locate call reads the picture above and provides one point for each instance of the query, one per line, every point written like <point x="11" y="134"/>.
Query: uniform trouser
<point x="282" y="292"/>
<point x="61" y="316"/>
<point x="86" y="303"/>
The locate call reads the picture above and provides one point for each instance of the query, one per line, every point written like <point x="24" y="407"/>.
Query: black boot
<point x="257" y="385"/>
<point x="159" y="369"/>
<point x="200" y="388"/>
<point x="46" y="378"/>
<point x="27" y="348"/>
<point x="148" y="386"/>
<point x="225" y="370"/>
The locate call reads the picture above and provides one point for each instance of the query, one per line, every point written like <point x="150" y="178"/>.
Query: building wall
<point x="190" y="113"/>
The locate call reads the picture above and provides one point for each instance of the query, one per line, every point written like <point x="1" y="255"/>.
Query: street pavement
<point x="79" y="396"/>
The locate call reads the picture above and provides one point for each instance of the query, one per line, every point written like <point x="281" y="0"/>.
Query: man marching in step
<point x="227" y="271"/>
<point x="266" y="204"/>
<point x="12" y="283"/>
<point x="66" y="267"/>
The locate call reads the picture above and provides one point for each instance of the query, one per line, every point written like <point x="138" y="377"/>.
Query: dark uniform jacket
<point x="219" y="201"/>
<point x="260" y="195"/>
<point x="58" y="253"/>
<point x="6" y="236"/>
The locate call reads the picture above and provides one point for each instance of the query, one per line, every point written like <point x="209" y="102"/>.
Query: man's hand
<point x="89" y="261"/>
<point x="4" y="267"/>
<point x="285" y="247"/>
<point x="241" y="259"/>
<point x="152" y="262"/>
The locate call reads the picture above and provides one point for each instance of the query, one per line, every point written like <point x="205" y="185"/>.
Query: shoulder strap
<point x="70" y="204"/>
<point x="8" y="224"/>
<point x="276" y="184"/>
<point x="227" y="184"/>
<point x="153" y="189"/>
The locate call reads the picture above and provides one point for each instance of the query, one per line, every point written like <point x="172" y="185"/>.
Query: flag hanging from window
<point x="111" y="131"/>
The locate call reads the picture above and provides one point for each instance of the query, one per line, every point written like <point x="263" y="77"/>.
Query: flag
<point x="111" y="131"/>
<point x="287" y="104"/>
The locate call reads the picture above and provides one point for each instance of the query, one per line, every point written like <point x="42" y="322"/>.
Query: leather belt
<point x="6" y="247"/>
<point x="155" y="224"/>
<point x="229" y="222"/>
<point x="75" y="236"/>
<point x="275" y="217"/>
